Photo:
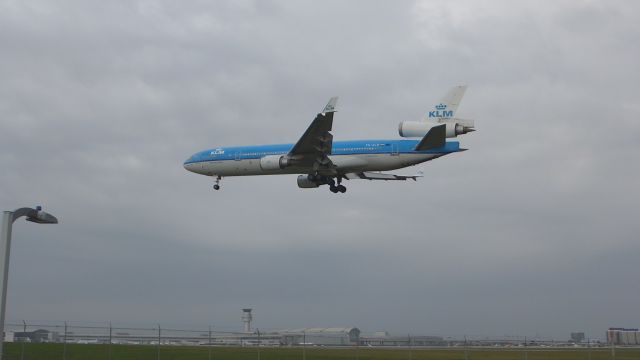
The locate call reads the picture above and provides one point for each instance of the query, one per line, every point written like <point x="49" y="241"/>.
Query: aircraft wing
<point x="381" y="176"/>
<point x="314" y="147"/>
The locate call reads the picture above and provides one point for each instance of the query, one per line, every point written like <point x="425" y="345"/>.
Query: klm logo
<point x="441" y="112"/>
<point x="217" y="151"/>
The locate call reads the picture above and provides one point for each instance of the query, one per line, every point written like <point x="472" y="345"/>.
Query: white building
<point x="9" y="336"/>
<point x="320" y="336"/>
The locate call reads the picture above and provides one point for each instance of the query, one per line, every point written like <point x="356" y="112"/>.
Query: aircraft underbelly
<point x="386" y="162"/>
<point x="246" y="167"/>
<point x="343" y="163"/>
<point x="234" y="167"/>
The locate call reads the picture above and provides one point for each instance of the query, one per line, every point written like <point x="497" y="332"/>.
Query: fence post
<point x="110" y="338"/>
<point x="159" y="338"/>
<point x="258" y="330"/>
<point x="304" y="345"/>
<point x="24" y="329"/>
<point x="526" y="355"/>
<point x="410" y="348"/>
<point x="64" y="345"/>
<point x="613" y="349"/>
<point x="466" y="352"/>
<point x="209" y="342"/>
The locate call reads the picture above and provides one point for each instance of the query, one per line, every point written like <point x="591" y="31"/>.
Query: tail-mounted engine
<point x="454" y="127"/>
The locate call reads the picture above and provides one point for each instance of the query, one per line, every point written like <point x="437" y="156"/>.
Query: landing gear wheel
<point x="342" y="188"/>
<point x="333" y="189"/>
<point x="217" y="184"/>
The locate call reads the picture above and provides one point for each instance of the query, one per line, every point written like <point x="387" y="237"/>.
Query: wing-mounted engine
<point x="308" y="182"/>
<point x="313" y="181"/>
<point x="454" y="127"/>
<point x="274" y="162"/>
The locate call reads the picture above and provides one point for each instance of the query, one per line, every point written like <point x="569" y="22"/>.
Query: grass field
<point x="16" y="351"/>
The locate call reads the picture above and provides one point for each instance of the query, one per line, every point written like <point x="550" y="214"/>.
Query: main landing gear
<point x="316" y="180"/>
<point x="216" y="186"/>
<point x="337" y="188"/>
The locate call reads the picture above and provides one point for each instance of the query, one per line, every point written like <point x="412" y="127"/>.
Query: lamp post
<point x="8" y="217"/>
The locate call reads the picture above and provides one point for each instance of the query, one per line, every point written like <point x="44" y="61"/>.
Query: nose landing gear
<point x="216" y="186"/>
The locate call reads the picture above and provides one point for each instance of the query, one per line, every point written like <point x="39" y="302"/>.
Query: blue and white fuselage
<point x="321" y="161"/>
<point x="347" y="156"/>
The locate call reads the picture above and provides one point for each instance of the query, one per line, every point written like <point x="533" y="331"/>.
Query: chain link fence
<point x="26" y="336"/>
<point x="28" y="341"/>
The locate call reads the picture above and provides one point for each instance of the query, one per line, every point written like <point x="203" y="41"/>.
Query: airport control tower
<point x="246" y="319"/>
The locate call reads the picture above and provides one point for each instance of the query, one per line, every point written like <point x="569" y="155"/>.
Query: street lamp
<point x="34" y="215"/>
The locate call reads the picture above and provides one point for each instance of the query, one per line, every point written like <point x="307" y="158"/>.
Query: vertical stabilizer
<point x="446" y="108"/>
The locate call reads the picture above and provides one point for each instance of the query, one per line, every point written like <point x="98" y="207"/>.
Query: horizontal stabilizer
<point x="435" y="138"/>
<point x="381" y="176"/>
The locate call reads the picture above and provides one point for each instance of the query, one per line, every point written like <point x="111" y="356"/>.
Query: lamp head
<point x="42" y="217"/>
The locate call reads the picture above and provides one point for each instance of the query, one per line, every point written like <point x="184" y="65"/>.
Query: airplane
<point x="321" y="161"/>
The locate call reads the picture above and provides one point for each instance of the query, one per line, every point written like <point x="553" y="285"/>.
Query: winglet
<point x="435" y="138"/>
<point x="331" y="105"/>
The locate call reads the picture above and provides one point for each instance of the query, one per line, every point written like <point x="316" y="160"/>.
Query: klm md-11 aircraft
<point x="321" y="161"/>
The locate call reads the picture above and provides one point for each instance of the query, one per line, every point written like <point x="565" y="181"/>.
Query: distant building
<point x="37" y="336"/>
<point x="623" y="336"/>
<point x="9" y="336"/>
<point x="320" y="336"/>
<point x="577" y="337"/>
<point x="380" y="334"/>
<point x="378" y="339"/>
<point x="246" y="319"/>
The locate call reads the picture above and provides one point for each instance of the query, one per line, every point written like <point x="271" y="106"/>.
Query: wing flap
<point x="314" y="146"/>
<point x="381" y="176"/>
<point x="316" y="136"/>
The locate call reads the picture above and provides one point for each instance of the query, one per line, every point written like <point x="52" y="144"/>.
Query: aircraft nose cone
<point x="189" y="166"/>
<point x="193" y="165"/>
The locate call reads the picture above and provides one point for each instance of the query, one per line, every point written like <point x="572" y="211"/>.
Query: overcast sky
<point x="533" y="231"/>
